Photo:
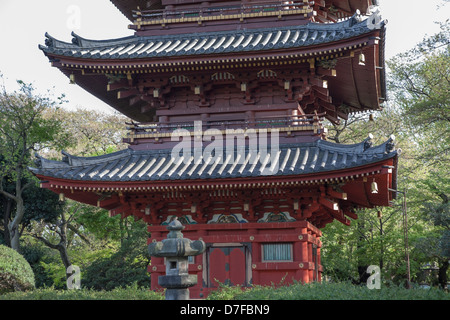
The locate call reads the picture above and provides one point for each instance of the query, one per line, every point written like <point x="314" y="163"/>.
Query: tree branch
<point x="46" y="242"/>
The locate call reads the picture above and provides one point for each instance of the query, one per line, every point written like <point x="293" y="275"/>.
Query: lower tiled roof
<point x="159" y="165"/>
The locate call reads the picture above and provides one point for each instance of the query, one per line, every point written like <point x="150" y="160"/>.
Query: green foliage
<point x="24" y="128"/>
<point x="337" y="254"/>
<point x="40" y="205"/>
<point x="131" y="292"/>
<point x="126" y="266"/>
<point x="15" y="271"/>
<point x="226" y="292"/>
<point x="97" y="222"/>
<point x="92" y="133"/>
<point x="419" y="84"/>
<point x="37" y="256"/>
<point x="327" y="291"/>
<point x="53" y="272"/>
<point x="418" y="116"/>
<point x="296" y="291"/>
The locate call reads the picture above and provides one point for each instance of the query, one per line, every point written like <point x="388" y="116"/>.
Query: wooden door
<point x="228" y="264"/>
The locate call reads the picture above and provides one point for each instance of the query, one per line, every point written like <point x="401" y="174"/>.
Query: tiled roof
<point x="209" y="42"/>
<point x="158" y="165"/>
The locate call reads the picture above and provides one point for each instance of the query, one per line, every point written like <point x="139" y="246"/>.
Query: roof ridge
<point x="363" y="148"/>
<point x="91" y="43"/>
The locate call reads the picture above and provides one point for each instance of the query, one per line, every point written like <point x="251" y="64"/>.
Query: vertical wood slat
<point x="277" y="252"/>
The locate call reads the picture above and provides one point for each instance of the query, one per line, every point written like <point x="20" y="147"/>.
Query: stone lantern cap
<point x="175" y="245"/>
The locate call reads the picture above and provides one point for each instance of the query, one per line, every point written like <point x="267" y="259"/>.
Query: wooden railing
<point x="296" y="122"/>
<point x="225" y="12"/>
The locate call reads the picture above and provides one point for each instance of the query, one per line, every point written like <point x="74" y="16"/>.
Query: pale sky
<point x="23" y="25"/>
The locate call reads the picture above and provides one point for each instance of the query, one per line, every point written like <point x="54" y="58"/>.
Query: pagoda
<point x="227" y="101"/>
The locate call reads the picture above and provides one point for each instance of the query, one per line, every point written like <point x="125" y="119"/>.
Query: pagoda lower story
<point x="245" y="254"/>
<point x="259" y="229"/>
<point x="227" y="100"/>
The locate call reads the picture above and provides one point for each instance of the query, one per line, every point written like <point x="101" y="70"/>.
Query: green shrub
<point x="126" y="266"/>
<point x="132" y="292"/>
<point x="15" y="271"/>
<point x="327" y="291"/>
<point x="225" y="292"/>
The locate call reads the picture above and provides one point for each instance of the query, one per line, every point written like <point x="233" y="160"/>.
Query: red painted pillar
<point x="318" y="256"/>
<point x="310" y="257"/>
<point x="318" y="263"/>
<point x="256" y="258"/>
<point x="303" y="264"/>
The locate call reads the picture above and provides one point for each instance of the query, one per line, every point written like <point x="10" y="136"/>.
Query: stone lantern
<point x="176" y="250"/>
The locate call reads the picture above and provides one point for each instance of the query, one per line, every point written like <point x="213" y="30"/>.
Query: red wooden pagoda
<point x="228" y="99"/>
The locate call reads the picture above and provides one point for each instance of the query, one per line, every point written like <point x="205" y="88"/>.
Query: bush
<point x="328" y="291"/>
<point x="132" y="292"/>
<point x="15" y="271"/>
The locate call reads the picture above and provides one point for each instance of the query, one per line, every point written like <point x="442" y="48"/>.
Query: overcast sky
<point x="23" y="25"/>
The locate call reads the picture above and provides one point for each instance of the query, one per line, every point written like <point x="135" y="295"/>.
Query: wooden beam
<point x="126" y="94"/>
<point x="351" y="214"/>
<point x="317" y="82"/>
<point x="336" y="194"/>
<point x="334" y="206"/>
<point x="313" y="207"/>
<point x="108" y="201"/>
<point x="323" y="94"/>
<point x="326" y="72"/>
<point x="339" y="215"/>
<point x="117" y="85"/>
<point x="118" y="210"/>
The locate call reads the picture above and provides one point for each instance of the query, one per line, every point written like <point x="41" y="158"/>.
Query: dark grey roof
<point x="208" y="42"/>
<point x="151" y="165"/>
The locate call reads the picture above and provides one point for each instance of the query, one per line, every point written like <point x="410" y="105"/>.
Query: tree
<point x="125" y="267"/>
<point x="60" y="227"/>
<point x="23" y="130"/>
<point x="420" y="86"/>
<point x="92" y="133"/>
<point x="417" y="114"/>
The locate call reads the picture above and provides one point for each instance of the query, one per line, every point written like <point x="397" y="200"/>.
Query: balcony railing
<point x="242" y="11"/>
<point x="288" y="123"/>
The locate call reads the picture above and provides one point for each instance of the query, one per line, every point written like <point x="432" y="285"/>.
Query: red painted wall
<point x="234" y="254"/>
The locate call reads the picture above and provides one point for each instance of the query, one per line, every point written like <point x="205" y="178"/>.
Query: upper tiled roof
<point x="158" y="165"/>
<point x="225" y="42"/>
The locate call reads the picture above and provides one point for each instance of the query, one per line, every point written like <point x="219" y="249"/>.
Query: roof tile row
<point x="208" y="42"/>
<point x="130" y="165"/>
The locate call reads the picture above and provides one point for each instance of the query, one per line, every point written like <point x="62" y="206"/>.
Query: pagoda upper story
<point x="167" y="13"/>
<point x="276" y="73"/>
<point x="252" y="64"/>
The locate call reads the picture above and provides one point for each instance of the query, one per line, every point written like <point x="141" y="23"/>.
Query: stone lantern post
<point x="176" y="250"/>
